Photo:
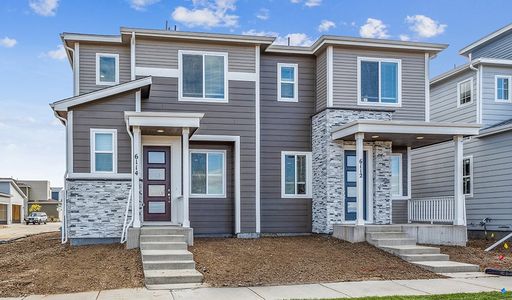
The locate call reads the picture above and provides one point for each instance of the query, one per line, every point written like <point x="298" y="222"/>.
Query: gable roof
<point x="496" y="128"/>
<point x="466" y="50"/>
<point x="64" y="104"/>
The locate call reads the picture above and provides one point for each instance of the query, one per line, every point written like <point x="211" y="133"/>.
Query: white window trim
<point x="206" y="151"/>
<point x="400" y="177"/>
<point x="309" y="176"/>
<point x="470" y="157"/>
<point x="379" y="60"/>
<point x="295" y="82"/>
<point x="496" y="99"/>
<point x="98" y="56"/>
<point x="180" y="77"/>
<point x="93" y="150"/>
<point x="470" y="89"/>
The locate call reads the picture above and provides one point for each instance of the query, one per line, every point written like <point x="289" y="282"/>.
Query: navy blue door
<point x="350" y="185"/>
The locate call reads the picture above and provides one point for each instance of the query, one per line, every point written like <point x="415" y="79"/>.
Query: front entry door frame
<point x="369" y="182"/>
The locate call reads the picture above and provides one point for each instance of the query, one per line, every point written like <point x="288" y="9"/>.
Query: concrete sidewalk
<point x="17" y="231"/>
<point x="305" y="291"/>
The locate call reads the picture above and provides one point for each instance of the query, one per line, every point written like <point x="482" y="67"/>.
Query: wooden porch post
<point x="360" y="177"/>
<point x="185" y="178"/>
<point x="136" y="172"/>
<point x="459" y="218"/>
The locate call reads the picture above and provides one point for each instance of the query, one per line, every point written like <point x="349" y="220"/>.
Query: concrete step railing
<point x="432" y="210"/>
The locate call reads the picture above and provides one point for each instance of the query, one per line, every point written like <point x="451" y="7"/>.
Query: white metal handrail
<point x="432" y="210"/>
<point x="126" y="224"/>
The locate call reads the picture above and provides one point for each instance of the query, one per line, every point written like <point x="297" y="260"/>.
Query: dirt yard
<point x="474" y="254"/>
<point x="307" y="259"/>
<point x="42" y="265"/>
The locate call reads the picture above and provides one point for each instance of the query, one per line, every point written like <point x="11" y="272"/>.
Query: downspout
<point x="64" y="231"/>
<point x="133" y="175"/>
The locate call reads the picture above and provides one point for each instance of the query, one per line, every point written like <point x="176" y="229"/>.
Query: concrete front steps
<point x="165" y="259"/>
<point x="391" y="239"/>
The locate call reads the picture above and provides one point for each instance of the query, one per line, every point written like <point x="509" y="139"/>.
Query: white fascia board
<point x="485" y="39"/>
<point x="63" y="105"/>
<point x="91" y="38"/>
<point x="465" y="67"/>
<point x="163" y="119"/>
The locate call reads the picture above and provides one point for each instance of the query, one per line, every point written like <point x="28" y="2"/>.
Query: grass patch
<point x="477" y="296"/>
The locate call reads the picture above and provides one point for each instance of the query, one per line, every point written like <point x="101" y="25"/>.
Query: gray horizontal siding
<point x="494" y="112"/>
<point x="156" y="53"/>
<point x="234" y="118"/>
<point x="498" y="48"/>
<point x="215" y="216"/>
<point x="285" y="126"/>
<point x="413" y="80"/>
<point x="321" y="81"/>
<point x="87" y="69"/>
<point x="102" y="114"/>
<point x="443" y="100"/>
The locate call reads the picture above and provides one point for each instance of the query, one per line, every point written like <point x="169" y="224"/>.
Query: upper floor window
<point x="55" y="195"/>
<point x="104" y="150"/>
<point x="467" y="176"/>
<point x="379" y="81"/>
<point x="107" y="69"/>
<point x="296" y="174"/>
<point x="207" y="173"/>
<point x="503" y="88"/>
<point x="396" y="175"/>
<point x="464" y="92"/>
<point x="287" y="82"/>
<point x="203" y="76"/>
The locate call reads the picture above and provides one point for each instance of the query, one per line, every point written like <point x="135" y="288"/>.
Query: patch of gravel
<point x="474" y="254"/>
<point x="40" y="264"/>
<point x="289" y="260"/>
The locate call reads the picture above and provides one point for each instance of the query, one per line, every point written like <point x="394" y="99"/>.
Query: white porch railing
<point x="432" y="210"/>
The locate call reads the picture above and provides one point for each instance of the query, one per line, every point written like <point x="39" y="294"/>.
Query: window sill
<point x="107" y="83"/>
<point x="207" y="196"/>
<point x="379" y="104"/>
<point x="296" y="196"/>
<point x="209" y="100"/>
<point x="502" y="101"/>
<point x="287" y="100"/>
<point x="464" y="105"/>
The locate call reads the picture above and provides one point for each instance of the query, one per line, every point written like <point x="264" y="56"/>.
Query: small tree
<point x="34" y="207"/>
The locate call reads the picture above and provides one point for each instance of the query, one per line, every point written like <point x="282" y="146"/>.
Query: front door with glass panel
<point x="157" y="184"/>
<point x="350" y="185"/>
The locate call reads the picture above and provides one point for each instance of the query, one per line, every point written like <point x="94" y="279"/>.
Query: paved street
<point x="15" y="231"/>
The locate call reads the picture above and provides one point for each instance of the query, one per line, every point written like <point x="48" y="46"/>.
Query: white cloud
<point x="405" y="37"/>
<point x="295" y="1"/>
<point x="207" y="13"/>
<point x="46" y="8"/>
<point x="296" y="39"/>
<point x="8" y="42"/>
<point x="58" y="54"/>
<point x="374" y="28"/>
<point x="263" y="14"/>
<point x="424" y="26"/>
<point x="313" y="3"/>
<point x="142" y="4"/>
<point x="326" y="25"/>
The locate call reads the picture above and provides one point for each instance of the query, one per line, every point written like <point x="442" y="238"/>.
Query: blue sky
<point x="34" y="71"/>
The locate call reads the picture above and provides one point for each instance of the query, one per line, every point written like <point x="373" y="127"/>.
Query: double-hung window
<point x="296" y="174"/>
<point x="107" y="69"/>
<point x="467" y="176"/>
<point x="287" y="82"/>
<point x="503" y="88"/>
<point x="464" y="92"/>
<point x="203" y="76"/>
<point x="379" y="81"/>
<point x="103" y="150"/>
<point x="208" y="173"/>
<point x="396" y="175"/>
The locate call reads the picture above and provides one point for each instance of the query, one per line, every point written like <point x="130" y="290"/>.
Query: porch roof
<point x="413" y="134"/>
<point x="163" y="123"/>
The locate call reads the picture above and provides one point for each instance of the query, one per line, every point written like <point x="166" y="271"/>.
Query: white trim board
<point x="116" y="75"/>
<point x="257" y="142"/>
<point x="174" y="73"/>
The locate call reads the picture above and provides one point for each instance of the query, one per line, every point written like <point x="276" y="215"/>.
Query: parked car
<point x="37" y="217"/>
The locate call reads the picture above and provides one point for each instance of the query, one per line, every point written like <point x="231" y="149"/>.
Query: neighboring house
<point x="12" y="202"/>
<point x="233" y="136"/>
<point x="478" y="92"/>
<point x="39" y="192"/>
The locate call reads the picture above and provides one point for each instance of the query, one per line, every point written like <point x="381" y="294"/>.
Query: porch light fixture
<point x="419" y="137"/>
<point x="375" y="136"/>
<point x="160" y="131"/>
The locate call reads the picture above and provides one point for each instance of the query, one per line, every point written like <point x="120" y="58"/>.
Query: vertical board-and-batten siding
<point x="87" y="69"/>
<point x="107" y="113"/>
<point x="215" y="216"/>
<point x="444" y="98"/>
<point x="236" y="118"/>
<point x="499" y="48"/>
<point x="321" y="81"/>
<point x="494" y="112"/>
<point x="413" y="80"/>
<point x="158" y="53"/>
<point x="285" y="126"/>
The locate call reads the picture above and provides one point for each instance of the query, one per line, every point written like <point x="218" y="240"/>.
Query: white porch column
<point x="185" y="178"/>
<point x="459" y="218"/>
<point x="9" y="212"/>
<point x="359" y="181"/>
<point x="136" y="176"/>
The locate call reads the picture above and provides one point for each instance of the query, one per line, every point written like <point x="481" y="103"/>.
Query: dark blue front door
<point x="350" y="185"/>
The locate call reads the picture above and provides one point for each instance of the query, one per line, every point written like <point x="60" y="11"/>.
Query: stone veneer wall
<point x="95" y="208"/>
<point x="327" y="206"/>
